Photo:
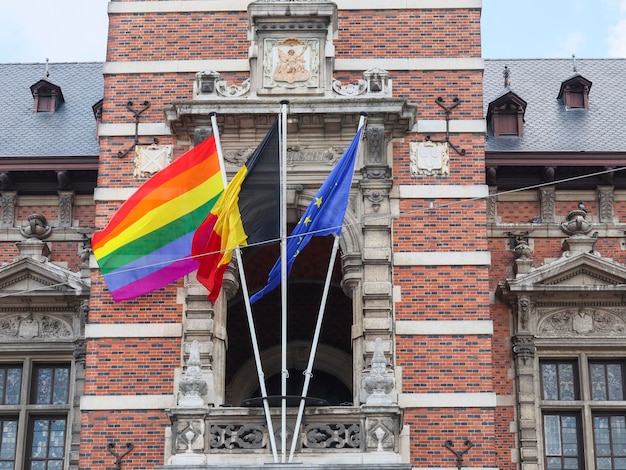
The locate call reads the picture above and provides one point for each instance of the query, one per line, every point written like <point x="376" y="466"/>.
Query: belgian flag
<point x="247" y="213"/>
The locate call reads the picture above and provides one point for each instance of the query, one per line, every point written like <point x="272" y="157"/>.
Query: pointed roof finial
<point x="574" y="62"/>
<point x="47" y="73"/>
<point x="507" y="75"/>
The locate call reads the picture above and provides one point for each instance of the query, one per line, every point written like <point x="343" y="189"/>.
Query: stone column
<point x="524" y="354"/>
<point x="377" y="306"/>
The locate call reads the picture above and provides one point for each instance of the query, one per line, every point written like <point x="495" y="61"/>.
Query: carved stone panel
<point x="429" y="158"/>
<point x="581" y="322"/>
<point x="291" y="63"/>
<point x="151" y="158"/>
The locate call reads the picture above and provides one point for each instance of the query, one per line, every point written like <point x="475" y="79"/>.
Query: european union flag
<point x="324" y="216"/>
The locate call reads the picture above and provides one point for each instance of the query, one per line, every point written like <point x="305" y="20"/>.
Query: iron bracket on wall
<point x="447" y="110"/>
<point x="145" y="105"/>
<point x="459" y="453"/>
<point x="119" y="456"/>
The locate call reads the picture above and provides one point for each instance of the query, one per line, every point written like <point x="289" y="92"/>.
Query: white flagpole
<point x="244" y="287"/>
<point x="283" y="281"/>
<point x="318" y="327"/>
<point x="308" y="373"/>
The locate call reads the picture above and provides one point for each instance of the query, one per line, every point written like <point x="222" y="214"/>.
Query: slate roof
<point x="548" y="126"/>
<point x="70" y="130"/>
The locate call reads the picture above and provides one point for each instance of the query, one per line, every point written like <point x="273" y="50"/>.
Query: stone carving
<point x="6" y="182"/>
<point x="375" y="139"/>
<point x="576" y="224"/>
<point x="429" y="158"/>
<point x="9" y="201"/>
<point x="335" y="436"/>
<point x="233" y="436"/>
<point x="66" y="203"/>
<point x="34" y="327"/>
<point x="37" y="227"/>
<point x="378" y="383"/>
<point x="151" y="158"/>
<point x="190" y="435"/>
<point x="192" y="386"/>
<point x="380" y="435"/>
<point x="582" y="322"/>
<point x="523" y="311"/>
<point x="222" y="88"/>
<point x="375" y="196"/>
<point x="291" y="63"/>
<point x="606" y="201"/>
<point x="291" y="66"/>
<point x="524" y="348"/>
<point x="350" y="89"/>
<point x="547" y="197"/>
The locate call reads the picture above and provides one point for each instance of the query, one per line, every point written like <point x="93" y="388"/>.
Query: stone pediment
<point x="36" y="282"/>
<point x="584" y="272"/>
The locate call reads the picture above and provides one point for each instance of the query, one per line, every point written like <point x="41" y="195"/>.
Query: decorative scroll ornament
<point x="350" y="89"/>
<point x="232" y="90"/>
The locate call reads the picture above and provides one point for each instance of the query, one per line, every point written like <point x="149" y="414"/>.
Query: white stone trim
<point x="434" y="126"/>
<point x="439" y="258"/>
<point x="133" y="330"/>
<point x="447" y="400"/>
<point x="243" y="65"/>
<point x="441" y="191"/>
<point x="475" y="126"/>
<point x="148" y="128"/>
<point x="176" y="66"/>
<point x="506" y="400"/>
<point x="242" y="5"/>
<point x="112" y="194"/>
<point x="444" y="327"/>
<point x="127" y="402"/>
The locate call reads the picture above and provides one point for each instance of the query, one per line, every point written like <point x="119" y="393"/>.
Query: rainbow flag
<point x="147" y="243"/>
<point x="247" y="212"/>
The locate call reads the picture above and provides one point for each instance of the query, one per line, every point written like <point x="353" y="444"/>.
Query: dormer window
<point x="505" y="115"/>
<point x="574" y="92"/>
<point x="48" y="97"/>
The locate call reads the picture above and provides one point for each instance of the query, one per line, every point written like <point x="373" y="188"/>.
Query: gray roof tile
<point x="548" y="126"/>
<point x="70" y="131"/>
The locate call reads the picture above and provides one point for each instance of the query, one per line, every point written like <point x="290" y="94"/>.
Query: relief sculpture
<point x="291" y="65"/>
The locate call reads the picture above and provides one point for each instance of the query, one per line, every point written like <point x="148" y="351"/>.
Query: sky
<point x="76" y="30"/>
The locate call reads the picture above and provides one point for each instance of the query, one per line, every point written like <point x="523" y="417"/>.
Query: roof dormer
<point x="48" y="96"/>
<point x="505" y="115"/>
<point x="574" y="92"/>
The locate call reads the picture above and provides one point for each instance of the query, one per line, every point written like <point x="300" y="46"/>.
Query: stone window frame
<point x="26" y="410"/>
<point x="583" y="406"/>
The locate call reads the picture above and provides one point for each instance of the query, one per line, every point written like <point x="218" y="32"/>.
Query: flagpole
<point x="283" y="267"/>
<point x="308" y="373"/>
<point x="246" y="296"/>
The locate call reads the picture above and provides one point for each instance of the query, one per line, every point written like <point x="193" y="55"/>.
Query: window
<point x="34" y="407"/>
<point x="573" y="401"/>
<point x="505" y="115"/>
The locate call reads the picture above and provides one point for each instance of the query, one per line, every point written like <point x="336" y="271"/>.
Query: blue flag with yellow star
<point x="324" y="216"/>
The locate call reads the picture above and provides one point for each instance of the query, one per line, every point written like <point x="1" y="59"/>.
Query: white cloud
<point x="617" y="34"/>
